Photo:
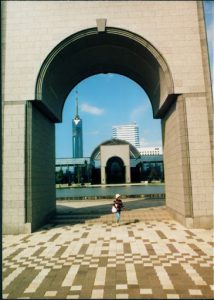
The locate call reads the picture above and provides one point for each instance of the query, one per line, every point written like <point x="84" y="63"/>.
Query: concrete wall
<point x="14" y="193"/>
<point x="187" y="161"/>
<point x="34" y="28"/>
<point x="41" y="194"/>
<point x="30" y="31"/>
<point x="29" y="176"/>
<point x="200" y="159"/>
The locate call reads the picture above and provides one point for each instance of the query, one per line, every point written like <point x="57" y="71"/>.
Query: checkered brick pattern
<point x="146" y="259"/>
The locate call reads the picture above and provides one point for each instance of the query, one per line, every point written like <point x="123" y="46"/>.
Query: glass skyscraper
<point x="77" y="134"/>
<point x="129" y="133"/>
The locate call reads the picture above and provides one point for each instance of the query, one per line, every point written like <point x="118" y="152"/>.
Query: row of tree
<point x="82" y="176"/>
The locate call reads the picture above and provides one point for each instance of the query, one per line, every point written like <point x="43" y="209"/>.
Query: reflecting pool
<point x="109" y="191"/>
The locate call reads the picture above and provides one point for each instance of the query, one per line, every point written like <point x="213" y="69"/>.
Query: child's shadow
<point x="131" y="222"/>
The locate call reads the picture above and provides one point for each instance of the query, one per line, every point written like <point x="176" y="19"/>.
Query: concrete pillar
<point x="14" y="192"/>
<point x="127" y="174"/>
<point x="29" y="168"/>
<point x="40" y="167"/>
<point x="187" y="161"/>
<point x="103" y="174"/>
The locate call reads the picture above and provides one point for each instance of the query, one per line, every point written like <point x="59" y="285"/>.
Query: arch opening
<point x="88" y="53"/>
<point x="115" y="170"/>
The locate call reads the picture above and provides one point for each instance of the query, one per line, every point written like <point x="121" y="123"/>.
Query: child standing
<point x="119" y="205"/>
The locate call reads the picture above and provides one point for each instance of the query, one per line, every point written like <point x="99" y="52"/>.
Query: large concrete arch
<point x="48" y="47"/>
<point x="114" y="50"/>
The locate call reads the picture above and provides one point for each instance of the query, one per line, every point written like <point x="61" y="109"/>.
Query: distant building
<point x="119" y="162"/>
<point x="128" y="132"/>
<point x="150" y="150"/>
<point x="77" y="134"/>
<point x="75" y="170"/>
<point x="113" y="161"/>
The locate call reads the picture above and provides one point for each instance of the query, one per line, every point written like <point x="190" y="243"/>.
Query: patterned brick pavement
<point x="152" y="256"/>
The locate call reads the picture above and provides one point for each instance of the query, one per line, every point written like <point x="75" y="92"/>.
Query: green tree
<point x="59" y="176"/>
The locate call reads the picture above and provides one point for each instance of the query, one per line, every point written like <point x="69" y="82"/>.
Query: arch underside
<point x="89" y="53"/>
<point x="115" y="170"/>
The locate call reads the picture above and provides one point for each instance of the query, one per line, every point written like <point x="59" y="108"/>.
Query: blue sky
<point x="112" y="99"/>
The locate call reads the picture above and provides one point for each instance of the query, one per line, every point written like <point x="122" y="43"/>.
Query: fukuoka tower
<point x="77" y="133"/>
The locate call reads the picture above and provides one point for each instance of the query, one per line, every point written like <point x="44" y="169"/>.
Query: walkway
<point x="148" y="256"/>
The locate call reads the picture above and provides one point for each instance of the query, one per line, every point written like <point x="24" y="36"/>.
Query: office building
<point x="128" y="132"/>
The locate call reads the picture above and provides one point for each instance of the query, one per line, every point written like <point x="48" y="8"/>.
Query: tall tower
<point x="77" y="133"/>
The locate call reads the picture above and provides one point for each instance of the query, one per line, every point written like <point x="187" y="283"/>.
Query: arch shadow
<point x="66" y="214"/>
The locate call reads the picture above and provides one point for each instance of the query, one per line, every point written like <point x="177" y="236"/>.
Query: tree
<point x="59" y="176"/>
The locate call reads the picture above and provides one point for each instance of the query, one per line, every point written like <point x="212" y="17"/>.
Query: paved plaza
<point x="84" y="255"/>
